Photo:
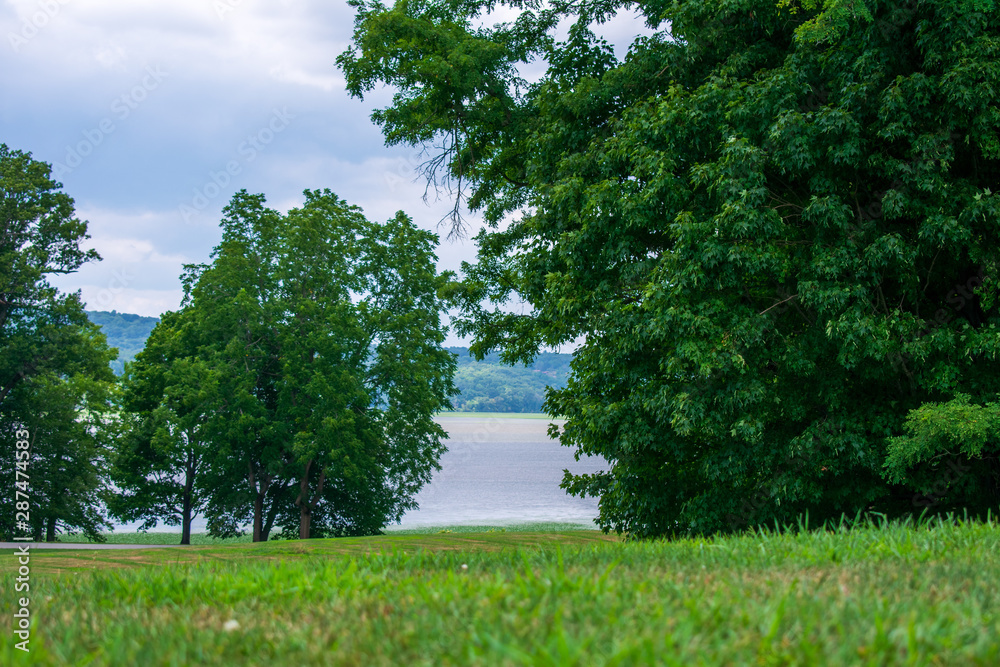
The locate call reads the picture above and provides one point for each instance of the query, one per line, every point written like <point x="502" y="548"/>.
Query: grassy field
<point x="872" y="595"/>
<point x="201" y="539"/>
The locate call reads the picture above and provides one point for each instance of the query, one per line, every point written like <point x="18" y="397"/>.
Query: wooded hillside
<point x="486" y="386"/>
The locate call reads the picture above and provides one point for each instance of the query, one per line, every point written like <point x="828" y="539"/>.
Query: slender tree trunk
<point x="306" y="505"/>
<point x="258" y="511"/>
<point x="304" y="510"/>
<point x="305" y="516"/>
<point x="50" y="529"/>
<point x="272" y="511"/>
<point x="187" y="510"/>
<point x="259" y="491"/>
<point x="186" y="520"/>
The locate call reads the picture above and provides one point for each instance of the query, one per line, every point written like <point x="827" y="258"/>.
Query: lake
<point x="497" y="470"/>
<point x="502" y="470"/>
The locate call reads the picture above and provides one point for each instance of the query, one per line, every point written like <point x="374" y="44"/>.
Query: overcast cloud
<point x="154" y="113"/>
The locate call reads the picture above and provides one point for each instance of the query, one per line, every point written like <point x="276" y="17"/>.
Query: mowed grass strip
<point x="163" y="537"/>
<point x="873" y="595"/>
<point x="72" y="561"/>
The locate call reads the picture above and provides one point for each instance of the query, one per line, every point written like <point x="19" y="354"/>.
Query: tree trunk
<point x="50" y="529"/>
<point x="186" y="520"/>
<point x="306" y="504"/>
<point x="272" y="512"/>
<point x="258" y="512"/>
<point x="305" y="516"/>
<point x="304" y="509"/>
<point x="259" y="491"/>
<point x="187" y="500"/>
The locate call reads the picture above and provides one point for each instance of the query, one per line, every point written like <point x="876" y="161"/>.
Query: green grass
<point x="154" y="537"/>
<point x="885" y="594"/>
<point x="199" y="539"/>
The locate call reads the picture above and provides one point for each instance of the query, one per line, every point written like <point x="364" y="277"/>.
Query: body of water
<point x="502" y="470"/>
<point x="497" y="470"/>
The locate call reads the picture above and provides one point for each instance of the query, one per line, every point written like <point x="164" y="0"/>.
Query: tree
<point x="773" y="226"/>
<point x="71" y="427"/>
<point x="55" y="383"/>
<point x="321" y="332"/>
<point x="159" y="463"/>
<point x="40" y="236"/>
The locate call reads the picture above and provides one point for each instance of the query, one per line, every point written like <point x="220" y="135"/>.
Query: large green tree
<point x="311" y="352"/>
<point x="158" y="467"/>
<point x="773" y="225"/>
<point x="41" y="329"/>
<point x="71" y="428"/>
<point x="55" y="382"/>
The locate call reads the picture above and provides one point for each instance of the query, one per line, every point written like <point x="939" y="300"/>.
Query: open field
<point x="201" y="539"/>
<point x="872" y="595"/>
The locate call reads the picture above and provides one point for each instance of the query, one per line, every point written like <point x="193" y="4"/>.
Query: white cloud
<point x="225" y="66"/>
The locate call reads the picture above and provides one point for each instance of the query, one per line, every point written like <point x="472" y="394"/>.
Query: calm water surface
<point x="502" y="470"/>
<point x="496" y="471"/>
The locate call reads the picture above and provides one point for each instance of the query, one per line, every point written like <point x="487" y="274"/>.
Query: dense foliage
<point x="55" y="383"/>
<point x="775" y="224"/>
<point x="297" y="385"/>
<point x="484" y="385"/>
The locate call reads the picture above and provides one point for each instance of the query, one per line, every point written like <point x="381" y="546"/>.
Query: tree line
<point x="770" y="229"/>
<point x="484" y="385"/>
<point x="772" y="224"/>
<point x="295" y="387"/>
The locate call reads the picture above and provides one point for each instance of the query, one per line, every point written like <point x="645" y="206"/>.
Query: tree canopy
<point x="41" y="330"/>
<point x="55" y="382"/>
<point x="302" y="373"/>
<point x="774" y="226"/>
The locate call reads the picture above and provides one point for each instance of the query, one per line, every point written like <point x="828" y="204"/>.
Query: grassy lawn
<point x="201" y="539"/>
<point x="873" y="595"/>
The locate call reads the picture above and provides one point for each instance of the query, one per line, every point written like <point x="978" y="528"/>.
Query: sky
<point x="153" y="113"/>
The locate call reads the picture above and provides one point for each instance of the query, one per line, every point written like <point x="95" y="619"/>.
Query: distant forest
<point x="489" y="386"/>
<point x="125" y="331"/>
<point x="486" y="386"/>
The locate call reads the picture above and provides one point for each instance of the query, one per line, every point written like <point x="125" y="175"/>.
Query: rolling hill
<point x="486" y="386"/>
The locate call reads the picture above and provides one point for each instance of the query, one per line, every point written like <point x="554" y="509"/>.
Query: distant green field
<point x="885" y="594"/>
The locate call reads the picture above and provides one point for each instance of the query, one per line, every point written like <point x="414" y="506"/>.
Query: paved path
<point x="11" y="546"/>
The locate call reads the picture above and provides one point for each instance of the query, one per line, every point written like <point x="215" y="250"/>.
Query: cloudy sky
<point x="154" y="112"/>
